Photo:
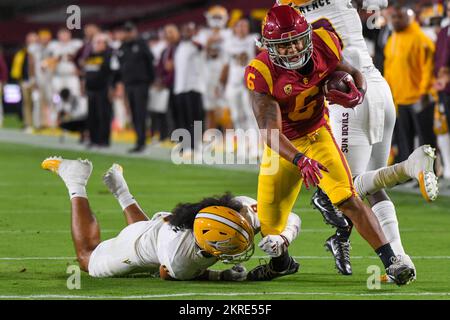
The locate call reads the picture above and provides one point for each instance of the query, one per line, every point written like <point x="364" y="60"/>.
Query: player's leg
<point x="278" y="186"/>
<point x="116" y="183"/>
<point x="85" y="229"/>
<point x="339" y="186"/>
<point x="419" y="166"/>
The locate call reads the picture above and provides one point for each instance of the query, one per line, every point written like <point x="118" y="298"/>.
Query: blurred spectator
<point x="408" y="70"/>
<point x="43" y="63"/>
<point x="165" y="80"/>
<point x="3" y="79"/>
<point x="121" y="118"/>
<point x="23" y="71"/>
<point x="442" y="67"/>
<point x="212" y="40"/>
<point x="137" y="73"/>
<point x="159" y="94"/>
<point x="240" y="49"/>
<point x="72" y="113"/>
<point x="188" y="84"/>
<point x="98" y="79"/>
<point x="90" y="30"/>
<point x="65" y="73"/>
<point x="384" y="31"/>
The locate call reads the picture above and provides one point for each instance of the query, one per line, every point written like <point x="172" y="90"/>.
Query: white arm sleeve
<point x="292" y="227"/>
<point x="382" y="4"/>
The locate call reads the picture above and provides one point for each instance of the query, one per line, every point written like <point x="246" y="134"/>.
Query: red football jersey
<point x="300" y="97"/>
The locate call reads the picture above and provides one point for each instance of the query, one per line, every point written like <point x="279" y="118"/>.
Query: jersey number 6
<point x="304" y="105"/>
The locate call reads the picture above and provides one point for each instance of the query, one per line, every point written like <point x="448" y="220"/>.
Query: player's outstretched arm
<point x="236" y="273"/>
<point x="268" y="115"/>
<point x="117" y="185"/>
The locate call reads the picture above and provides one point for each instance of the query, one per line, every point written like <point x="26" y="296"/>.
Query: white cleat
<point x="114" y="180"/>
<point x="70" y="171"/>
<point x="420" y="166"/>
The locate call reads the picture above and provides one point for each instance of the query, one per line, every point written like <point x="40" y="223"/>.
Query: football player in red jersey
<point x="285" y="84"/>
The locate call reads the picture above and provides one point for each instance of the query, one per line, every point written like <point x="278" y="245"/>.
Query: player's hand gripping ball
<point x="340" y="89"/>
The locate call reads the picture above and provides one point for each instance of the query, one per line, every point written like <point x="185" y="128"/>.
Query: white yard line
<point x="254" y="257"/>
<point x="229" y="294"/>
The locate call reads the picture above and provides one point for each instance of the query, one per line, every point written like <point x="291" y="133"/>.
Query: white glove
<point x="237" y="273"/>
<point x="274" y="245"/>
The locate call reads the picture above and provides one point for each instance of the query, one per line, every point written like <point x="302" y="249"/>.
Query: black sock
<point x="281" y="263"/>
<point x="386" y="254"/>
<point x="344" y="233"/>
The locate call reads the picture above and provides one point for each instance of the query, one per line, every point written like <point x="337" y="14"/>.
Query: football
<point x="336" y="81"/>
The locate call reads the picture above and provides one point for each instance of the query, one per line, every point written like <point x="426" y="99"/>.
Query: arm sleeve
<point x="292" y="227"/>
<point x="426" y="56"/>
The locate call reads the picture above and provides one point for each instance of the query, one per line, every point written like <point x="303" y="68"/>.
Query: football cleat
<point x="265" y="272"/>
<point x="400" y="272"/>
<point x="331" y="215"/>
<point x="70" y="171"/>
<point x="114" y="180"/>
<point x="341" y="253"/>
<point x="420" y="166"/>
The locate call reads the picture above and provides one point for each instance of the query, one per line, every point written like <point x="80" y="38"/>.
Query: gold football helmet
<point x="224" y="233"/>
<point x="294" y="3"/>
<point x="217" y="17"/>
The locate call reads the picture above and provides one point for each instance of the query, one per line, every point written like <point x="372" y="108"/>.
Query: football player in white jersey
<point x="182" y="244"/>
<point x="365" y="133"/>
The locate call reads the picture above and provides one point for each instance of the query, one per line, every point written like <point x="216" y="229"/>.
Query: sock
<point x="281" y="263"/>
<point x="386" y="254"/>
<point x="384" y="178"/>
<point x="76" y="190"/>
<point x="385" y="212"/>
<point x="125" y="199"/>
<point x="344" y="233"/>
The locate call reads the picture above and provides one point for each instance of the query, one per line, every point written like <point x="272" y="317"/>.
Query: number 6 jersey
<point x="300" y="97"/>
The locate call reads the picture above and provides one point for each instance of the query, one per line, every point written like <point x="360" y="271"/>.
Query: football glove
<point x="347" y="100"/>
<point x="309" y="169"/>
<point x="237" y="273"/>
<point x="274" y="245"/>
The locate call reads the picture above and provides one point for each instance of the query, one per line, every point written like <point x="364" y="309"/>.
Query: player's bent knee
<point x="351" y="207"/>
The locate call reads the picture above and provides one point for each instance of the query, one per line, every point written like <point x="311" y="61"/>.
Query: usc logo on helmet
<point x="224" y="233"/>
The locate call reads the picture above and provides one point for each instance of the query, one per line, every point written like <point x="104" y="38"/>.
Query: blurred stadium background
<point x="50" y="104"/>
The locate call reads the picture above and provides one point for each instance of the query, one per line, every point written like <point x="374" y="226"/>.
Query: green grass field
<point x="36" y="246"/>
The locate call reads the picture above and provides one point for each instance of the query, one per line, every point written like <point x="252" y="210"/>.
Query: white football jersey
<point x="176" y="250"/>
<point x="238" y="54"/>
<point x="344" y="19"/>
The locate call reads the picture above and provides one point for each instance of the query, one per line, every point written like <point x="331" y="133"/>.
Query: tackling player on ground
<point x="182" y="245"/>
<point x="285" y="84"/>
<point x="365" y="135"/>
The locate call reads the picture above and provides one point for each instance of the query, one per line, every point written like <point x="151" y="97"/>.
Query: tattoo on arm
<point x="266" y="110"/>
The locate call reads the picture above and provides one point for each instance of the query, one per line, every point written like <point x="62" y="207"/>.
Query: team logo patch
<point x="288" y="89"/>
<point x="305" y="81"/>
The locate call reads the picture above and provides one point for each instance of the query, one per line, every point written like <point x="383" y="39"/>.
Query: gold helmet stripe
<point x="229" y="223"/>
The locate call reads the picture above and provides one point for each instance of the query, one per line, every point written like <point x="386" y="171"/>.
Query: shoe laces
<point x="344" y="248"/>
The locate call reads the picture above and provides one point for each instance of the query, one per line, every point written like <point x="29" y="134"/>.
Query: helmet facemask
<point x="224" y="234"/>
<point x="302" y="43"/>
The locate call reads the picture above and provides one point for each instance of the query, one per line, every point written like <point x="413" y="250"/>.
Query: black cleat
<point x="331" y="215"/>
<point x="341" y="253"/>
<point x="400" y="273"/>
<point x="265" y="272"/>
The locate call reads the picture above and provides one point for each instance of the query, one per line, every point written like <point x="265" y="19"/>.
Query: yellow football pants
<point x="280" y="181"/>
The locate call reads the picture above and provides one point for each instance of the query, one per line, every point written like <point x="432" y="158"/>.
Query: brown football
<point x="336" y="81"/>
